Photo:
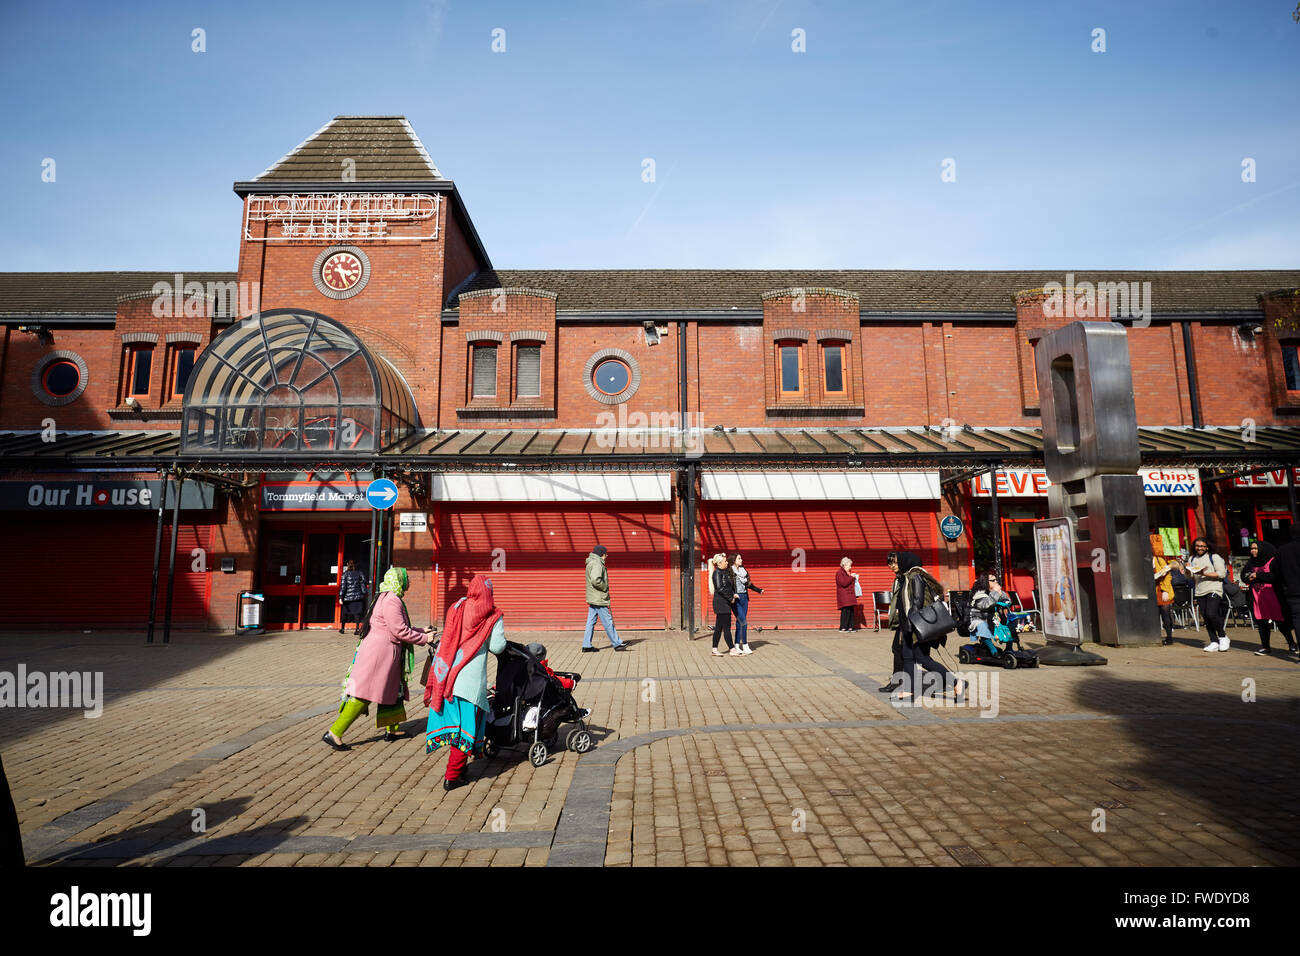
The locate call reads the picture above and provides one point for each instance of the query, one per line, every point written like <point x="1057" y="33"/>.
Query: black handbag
<point x="932" y="624"/>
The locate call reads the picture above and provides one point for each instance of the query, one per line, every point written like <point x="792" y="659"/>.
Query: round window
<point x="61" y="379"/>
<point x="611" y="377"/>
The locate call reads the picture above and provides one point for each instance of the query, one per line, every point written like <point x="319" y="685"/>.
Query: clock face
<point x="341" y="271"/>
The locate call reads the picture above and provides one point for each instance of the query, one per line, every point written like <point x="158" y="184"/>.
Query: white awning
<point x="855" y="485"/>
<point x="551" y="486"/>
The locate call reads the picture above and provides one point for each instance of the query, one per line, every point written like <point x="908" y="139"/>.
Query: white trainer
<point x="1223" y="643"/>
<point x="748" y="649"/>
<point x="736" y="652"/>
<point x="1212" y="646"/>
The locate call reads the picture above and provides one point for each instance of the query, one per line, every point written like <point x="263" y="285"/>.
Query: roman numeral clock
<point x="341" y="272"/>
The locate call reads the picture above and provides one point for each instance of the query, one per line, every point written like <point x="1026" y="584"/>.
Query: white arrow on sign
<point x="384" y="494"/>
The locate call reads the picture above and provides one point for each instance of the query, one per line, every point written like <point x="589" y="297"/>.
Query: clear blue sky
<point x="766" y="158"/>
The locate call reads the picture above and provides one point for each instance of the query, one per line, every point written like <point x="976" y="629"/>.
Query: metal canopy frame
<point x="292" y="381"/>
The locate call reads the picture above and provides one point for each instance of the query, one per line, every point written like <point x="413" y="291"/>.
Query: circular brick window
<point x="611" y="376"/>
<point x="59" y="378"/>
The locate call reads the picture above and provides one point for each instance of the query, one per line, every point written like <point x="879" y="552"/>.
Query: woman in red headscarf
<point x="457" y="689"/>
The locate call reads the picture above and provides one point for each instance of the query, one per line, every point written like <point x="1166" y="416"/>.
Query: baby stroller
<point x="1004" y="650"/>
<point x="528" y="705"/>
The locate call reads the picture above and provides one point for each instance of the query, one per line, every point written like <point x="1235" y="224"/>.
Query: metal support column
<point x="688" y="555"/>
<point x="1290" y="490"/>
<point x="157" y="555"/>
<point x="177" y="483"/>
<point x="997" y="523"/>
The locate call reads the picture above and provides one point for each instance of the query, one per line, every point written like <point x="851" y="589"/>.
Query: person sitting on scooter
<point x="986" y="594"/>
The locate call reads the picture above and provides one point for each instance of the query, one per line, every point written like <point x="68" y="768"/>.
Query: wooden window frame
<point x="781" y="394"/>
<point x="485" y="344"/>
<point x="132" y="357"/>
<point x="842" y="395"/>
<point x="1292" y="346"/>
<point x="515" y="365"/>
<point x="175" y="394"/>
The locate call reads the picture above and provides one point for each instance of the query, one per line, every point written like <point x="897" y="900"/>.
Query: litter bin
<point x="249" y="616"/>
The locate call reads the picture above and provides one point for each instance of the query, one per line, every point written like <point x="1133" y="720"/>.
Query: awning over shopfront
<point x="465" y="450"/>
<point x="552" y="486"/>
<point x="857" y="485"/>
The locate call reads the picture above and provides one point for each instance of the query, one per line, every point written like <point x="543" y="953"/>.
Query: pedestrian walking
<point x="744" y="584"/>
<point x="1208" y="570"/>
<point x="382" y="663"/>
<point x="1286" y="574"/>
<point x="917" y="589"/>
<point x="1164" y="574"/>
<point x="352" y="597"/>
<point x="848" y="591"/>
<point x="598" y="601"/>
<point x="11" y="837"/>
<point x="1267" y="604"/>
<point x="896" y="674"/>
<point x="724" y="600"/>
<point x="457" y="689"/>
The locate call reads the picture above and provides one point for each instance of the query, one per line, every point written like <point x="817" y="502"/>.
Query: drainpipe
<point x="688" y="556"/>
<point x="178" y="482"/>
<point x="997" y="523"/>
<point x="1192" y="393"/>
<point x="163" y="477"/>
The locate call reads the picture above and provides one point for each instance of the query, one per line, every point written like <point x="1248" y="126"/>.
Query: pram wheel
<point x="490" y="747"/>
<point x="578" y="740"/>
<point x="537" y="754"/>
<point x="963" y="655"/>
<point x="1009" y="662"/>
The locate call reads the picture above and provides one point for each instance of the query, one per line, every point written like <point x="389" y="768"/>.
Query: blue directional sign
<point x="951" y="527"/>
<point x="381" y="493"/>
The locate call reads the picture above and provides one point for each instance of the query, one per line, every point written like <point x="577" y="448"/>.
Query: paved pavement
<point x="207" y="753"/>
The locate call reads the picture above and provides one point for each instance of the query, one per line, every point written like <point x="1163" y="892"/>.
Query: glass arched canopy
<point x="293" y="381"/>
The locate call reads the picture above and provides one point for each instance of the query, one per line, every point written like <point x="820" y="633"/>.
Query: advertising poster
<point x="1058" y="579"/>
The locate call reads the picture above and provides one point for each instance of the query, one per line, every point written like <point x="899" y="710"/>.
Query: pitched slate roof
<point x="383" y="148"/>
<point x="96" y="293"/>
<point x="82" y="293"/>
<point x="883" y="290"/>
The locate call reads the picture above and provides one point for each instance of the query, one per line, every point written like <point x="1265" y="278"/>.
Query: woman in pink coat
<point x="382" y="664"/>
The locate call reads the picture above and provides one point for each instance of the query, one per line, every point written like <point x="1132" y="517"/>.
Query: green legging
<point x="352" y="709"/>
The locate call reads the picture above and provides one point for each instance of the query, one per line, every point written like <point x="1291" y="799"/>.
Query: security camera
<point x="132" y="404"/>
<point x="1249" y="328"/>
<point x="651" y="332"/>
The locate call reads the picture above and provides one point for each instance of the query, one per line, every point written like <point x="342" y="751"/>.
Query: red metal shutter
<point x="774" y="537"/>
<point x="536" y="556"/>
<point x="78" y="570"/>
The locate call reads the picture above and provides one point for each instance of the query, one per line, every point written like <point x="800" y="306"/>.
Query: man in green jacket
<point x="598" y="601"/>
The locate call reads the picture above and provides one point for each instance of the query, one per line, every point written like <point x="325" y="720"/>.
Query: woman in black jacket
<point x="724" y="597"/>
<point x="916" y="589"/>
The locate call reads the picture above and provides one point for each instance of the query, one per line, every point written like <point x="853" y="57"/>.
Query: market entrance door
<point x="300" y="571"/>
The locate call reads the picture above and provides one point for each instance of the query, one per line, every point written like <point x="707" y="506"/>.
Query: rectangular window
<point x="528" y="371"/>
<point x="790" y="361"/>
<point x="485" y="372"/>
<point x="1291" y="363"/>
<point x="833" y="362"/>
<point x="139" y="365"/>
<point x="182" y="365"/>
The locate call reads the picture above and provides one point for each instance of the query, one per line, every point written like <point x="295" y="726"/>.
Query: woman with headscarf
<point x="1268" y="604"/>
<point x="382" y="663"/>
<point x="917" y="588"/>
<point x="457" y="688"/>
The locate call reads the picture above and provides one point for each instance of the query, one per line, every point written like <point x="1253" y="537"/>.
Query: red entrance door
<point x="1273" y="527"/>
<point x="300" y="572"/>
<point x="1018" y="558"/>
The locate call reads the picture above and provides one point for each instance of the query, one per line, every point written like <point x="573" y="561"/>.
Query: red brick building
<point x="527" y="415"/>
